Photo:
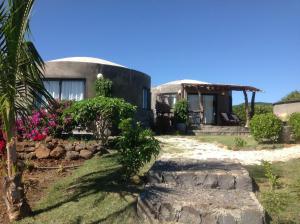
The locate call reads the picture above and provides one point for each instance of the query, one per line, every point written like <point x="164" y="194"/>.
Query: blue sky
<point x="251" y="42"/>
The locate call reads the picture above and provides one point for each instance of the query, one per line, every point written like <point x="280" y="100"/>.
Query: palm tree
<point x="21" y="72"/>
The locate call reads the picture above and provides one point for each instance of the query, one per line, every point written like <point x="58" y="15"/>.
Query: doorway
<point x="209" y="107"/>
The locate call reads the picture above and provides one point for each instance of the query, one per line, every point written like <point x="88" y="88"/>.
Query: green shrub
<point x="260" y="108"/>
<point x="103" y="87"/>
<point x="272" y="178"/>
<point x="294" y="122"/>
<point x="266" y="128"/>
<point x="239" y="142"/>
<point x="274" y="203"/>
<point x="181" y="111"/>
<point x="100" y="114"/>
<point x="292" y="96"/>
<point x="136" y="146"/>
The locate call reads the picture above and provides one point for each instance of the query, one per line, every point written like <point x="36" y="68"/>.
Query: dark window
<point x="146" y="99"/>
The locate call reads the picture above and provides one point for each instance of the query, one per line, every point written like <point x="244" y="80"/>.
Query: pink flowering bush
<point x="42" y="123"/>
<point x="38" y="126"/>
<point x="2" y="143"/>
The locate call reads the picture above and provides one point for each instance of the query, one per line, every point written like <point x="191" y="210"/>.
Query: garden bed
<point x="37" y="180"/>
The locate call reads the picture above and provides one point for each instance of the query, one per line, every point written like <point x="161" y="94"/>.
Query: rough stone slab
<point x="201" y="174"/>
<point x="163" y="203"/>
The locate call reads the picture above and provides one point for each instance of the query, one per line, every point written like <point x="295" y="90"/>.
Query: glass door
<point x="194" y="109"/>
<point x="209" y="106"/>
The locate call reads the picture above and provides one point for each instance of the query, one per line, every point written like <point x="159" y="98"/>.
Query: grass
<point x="289" y="188"/>
<point x="94" y="193"/>
<point x="229" y="142"/>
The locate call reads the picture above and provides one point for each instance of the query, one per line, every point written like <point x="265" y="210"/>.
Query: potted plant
<point x="181" y="114"/>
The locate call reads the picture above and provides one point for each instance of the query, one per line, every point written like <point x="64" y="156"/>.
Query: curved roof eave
<point x="87" y="60"/>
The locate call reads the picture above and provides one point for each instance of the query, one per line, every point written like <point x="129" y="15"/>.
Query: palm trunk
<point x="14" y="196"/>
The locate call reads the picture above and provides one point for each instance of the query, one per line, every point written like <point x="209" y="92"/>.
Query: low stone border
<point x="58" y="149"/>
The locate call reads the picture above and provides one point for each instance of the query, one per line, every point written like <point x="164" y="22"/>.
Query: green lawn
<point x="289" y="188"/>
<point x="94" y="193"/>
<point x="229" y="141"/>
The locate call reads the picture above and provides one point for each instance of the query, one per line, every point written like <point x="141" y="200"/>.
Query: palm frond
<point x="21" y="67"/>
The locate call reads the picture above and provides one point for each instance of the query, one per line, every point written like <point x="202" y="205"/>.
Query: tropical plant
<point x="181" y="111"/>
<point x="136" y="146"/>
<point x="294" y="122"/>
<point x="269" y="173"/>
<point x="103" y="87"/>
<point x="239" y="142"/>
<point x="21" y="72"/>
<point x="259" y="108"/>
<point x="292" y="96"/>
<point x="99" y="114"/>
<point x="266" y="128"/>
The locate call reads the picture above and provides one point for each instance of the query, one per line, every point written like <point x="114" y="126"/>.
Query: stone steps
<point x="203" y="192"/>
<point x="200" y="174"/>
<point x="166" y="204"/>
<point x="220" y="130"/>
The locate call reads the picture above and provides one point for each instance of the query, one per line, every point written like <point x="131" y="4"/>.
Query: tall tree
<point x="21" y="72"/>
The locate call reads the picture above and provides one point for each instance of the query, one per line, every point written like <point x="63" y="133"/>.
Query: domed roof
<point x="185" y="81"/>
<point x="88" y="60"/>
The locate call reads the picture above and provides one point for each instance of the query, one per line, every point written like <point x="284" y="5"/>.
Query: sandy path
<point x="181" y="147"/>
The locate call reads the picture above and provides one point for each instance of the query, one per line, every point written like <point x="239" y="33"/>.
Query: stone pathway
<point x="185" y="147"/>
<point x="200" y="192"/>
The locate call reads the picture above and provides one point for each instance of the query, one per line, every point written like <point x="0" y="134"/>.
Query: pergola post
<point x="246" y="109"/>
<point x="252" y="104"/>
<point x="200" y="105"/>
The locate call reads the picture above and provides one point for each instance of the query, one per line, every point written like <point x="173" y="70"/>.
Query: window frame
<point x="148" y="103"/>
<point x="60" y="80"/>
<point x="167" y="95"/>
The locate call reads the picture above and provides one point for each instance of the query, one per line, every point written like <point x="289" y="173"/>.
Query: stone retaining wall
<point x="58" y="149"/>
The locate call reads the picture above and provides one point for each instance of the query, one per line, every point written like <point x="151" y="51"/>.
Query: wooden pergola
<point x="200" y="88"/>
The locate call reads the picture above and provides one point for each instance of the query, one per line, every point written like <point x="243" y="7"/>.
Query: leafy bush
<point x="260" y="108"/>
<point x="136" y="145"/>
<point x="272" y="178"/>
<point x="239" y="142"/>
<point x="181" y="111"/>
<point x="100" y="114"/>
<point x="266" y="128"/>
<point x="103" y="87"/>
<point x="294" y="122"/>
<point x="293" y="96"/>
<point x="274" y="203"/>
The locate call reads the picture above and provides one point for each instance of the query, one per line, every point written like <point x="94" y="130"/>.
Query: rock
<point x="189" y="215"/>
<point x="48" y="139"/>
<point x="226" y="182"/>
<point x="55" y="142"/>
<point x="31" y="144"/>
<point x="21" y="146"/>
<point x="30" y="155"/>
<point x="92" y="148"/>
<point x="50" y="145"/>
<point x="69" y="147"/>
<point x="21" y="155"/>
<point x="29" y="149"/>
<point x="86" y="154"/>
<point x="58" y="152"/>
<point x="72" y="155"/>
<point x="79" y="147"/>
<point x="42" y="152"/>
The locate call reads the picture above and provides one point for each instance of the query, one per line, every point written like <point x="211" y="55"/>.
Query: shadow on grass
<point x="106" y="181"/>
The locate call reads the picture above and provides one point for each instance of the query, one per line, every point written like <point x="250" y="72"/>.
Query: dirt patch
<point x="38" y="180"/>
